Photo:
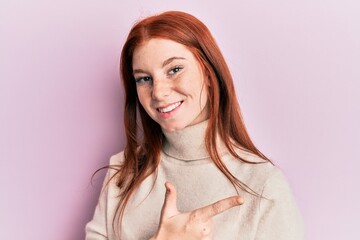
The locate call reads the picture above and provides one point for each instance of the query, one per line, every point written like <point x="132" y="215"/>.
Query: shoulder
<point x="277" y="206"/>
<point x="266" y="178"/>
<point x="257" y="172"/>
<point x="117" y="159"/>
<point x="115" y="163"/>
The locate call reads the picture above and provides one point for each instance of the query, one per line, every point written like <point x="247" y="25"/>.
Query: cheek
<point x="204" y="97"/>
<point x="143" y="96"/>
<point x="202" y="92"/>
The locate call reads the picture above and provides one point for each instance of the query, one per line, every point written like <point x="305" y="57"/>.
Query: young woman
<point x="191" y="138"/>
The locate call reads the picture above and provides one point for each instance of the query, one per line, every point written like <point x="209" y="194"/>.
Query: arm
<point x="279" y="215"/>
<point x="97" y="228"/>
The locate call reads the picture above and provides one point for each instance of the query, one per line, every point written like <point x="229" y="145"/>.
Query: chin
<point x="173" y="127"/>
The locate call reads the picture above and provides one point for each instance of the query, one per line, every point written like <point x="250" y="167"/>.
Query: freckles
<point x="179" y="78"/>
<point x="188" y="82"/>
<point x="142" y="97"/>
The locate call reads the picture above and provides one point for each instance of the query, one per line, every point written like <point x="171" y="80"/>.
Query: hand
<point x="196" y="224"/>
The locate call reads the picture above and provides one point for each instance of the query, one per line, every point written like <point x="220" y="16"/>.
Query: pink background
<point x="297" y="71"/>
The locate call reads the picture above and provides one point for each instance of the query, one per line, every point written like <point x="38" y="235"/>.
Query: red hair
<point x="142" y="151"/>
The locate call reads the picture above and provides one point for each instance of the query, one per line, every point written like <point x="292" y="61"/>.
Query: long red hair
<point x="142" y="151"/>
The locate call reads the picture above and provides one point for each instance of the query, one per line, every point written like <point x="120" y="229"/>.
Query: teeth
<point x="169" y="108"/>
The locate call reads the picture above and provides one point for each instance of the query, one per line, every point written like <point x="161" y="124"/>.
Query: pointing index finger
<point x="218" y="207"/>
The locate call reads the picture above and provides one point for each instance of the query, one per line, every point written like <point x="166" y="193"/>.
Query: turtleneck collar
<point x="187" y="144"/>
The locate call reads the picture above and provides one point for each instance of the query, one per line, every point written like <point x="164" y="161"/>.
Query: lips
<point x="169" y="108"/>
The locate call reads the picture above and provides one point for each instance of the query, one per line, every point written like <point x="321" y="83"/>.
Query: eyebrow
<point x="166" y="62"/>
<point x="138" y="71"/>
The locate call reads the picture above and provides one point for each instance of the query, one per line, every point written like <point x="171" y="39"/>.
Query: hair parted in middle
<point x="142" y="150"/>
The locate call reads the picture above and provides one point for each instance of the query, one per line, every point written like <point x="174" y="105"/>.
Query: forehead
<point x="157" y="50"/>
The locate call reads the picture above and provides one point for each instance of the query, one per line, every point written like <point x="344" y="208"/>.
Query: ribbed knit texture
<point x="187" y="165"/>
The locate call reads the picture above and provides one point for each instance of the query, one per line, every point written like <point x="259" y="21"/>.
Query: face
<point x="170" y="84"/>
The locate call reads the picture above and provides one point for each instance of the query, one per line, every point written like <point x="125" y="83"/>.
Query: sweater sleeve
<point x="97" y="228"/>
<point x="279" y="215"/>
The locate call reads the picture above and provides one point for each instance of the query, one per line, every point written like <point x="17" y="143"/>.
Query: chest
<point x="197" y="186"/>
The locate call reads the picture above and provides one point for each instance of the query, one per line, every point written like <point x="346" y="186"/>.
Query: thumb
<point x="169" y="208"/>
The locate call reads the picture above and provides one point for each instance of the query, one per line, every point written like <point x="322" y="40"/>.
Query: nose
<point x="161" y="89"/>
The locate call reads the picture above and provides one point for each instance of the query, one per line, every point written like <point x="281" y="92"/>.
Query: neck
<point x="187" y="144"/>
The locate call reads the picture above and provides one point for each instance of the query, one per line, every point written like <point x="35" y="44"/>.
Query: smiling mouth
<point x="170" y="107"/>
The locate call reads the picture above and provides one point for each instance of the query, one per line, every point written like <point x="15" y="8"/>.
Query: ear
<point x="208" y="79"/>
<point x="207" y="76"/>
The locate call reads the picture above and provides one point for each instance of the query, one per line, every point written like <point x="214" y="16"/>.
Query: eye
<point x="143" y="79"/>
<point x="175" y="70"/>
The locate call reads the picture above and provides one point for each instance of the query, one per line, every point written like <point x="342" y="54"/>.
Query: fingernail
<point x="240" y="200"/>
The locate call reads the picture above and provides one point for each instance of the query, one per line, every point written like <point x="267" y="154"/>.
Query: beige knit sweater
<point x="186" y="163"/>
